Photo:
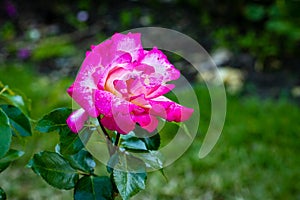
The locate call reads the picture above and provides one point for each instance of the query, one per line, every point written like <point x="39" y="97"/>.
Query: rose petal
<point x="162" y="66"/>
<point x="140" y="101"/>
<point x="105" y="50"/>
<point x="103" y="74"/>
<point x="152" y="125"/>
<point x="161" y="90"/>
<point x="130" y="43"/>
<point x="103" y="102"/>
<point x="146" y="121"/>
<point x="83" y="90"/>
<point x="116" y="74"/>
<point x="171" y="111"/>
<point x="121" y="87"/>
<point x="70" y="90"/>
<point x="120" y="123"/>
<point x="110" y="105"/>
<point x="76" y="120"/>
<point x="135" y="86"/>
<point x="86" y="83"/>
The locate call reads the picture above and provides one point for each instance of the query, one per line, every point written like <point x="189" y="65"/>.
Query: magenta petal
<point x="140" y="101"/>
<point x="143" y="119"/>
<point x="120" y="64"/>
<point x="117" y="111"/>
<point x="87" y="53"/>
<point x="109" y="123"/>
<point x="129" y="43"/>
<point x="124" y="122"/>
<point x="146" y="121"/>
<point x="171" y="111"/>
<point x="70" y="90"/>
<point x="121" y="87"/>
<point x="179" y="113"/>
<point x="84" y="87"/>
<point x="92" y="47"/>
<point x="162" y="66"/>
<point x="135" y="86"/>
<point x="104" y="102"/>
<point x="105" y="50"/>
<point x="120" y="124"/>
<point x="145" y="69"/>
<point x="118" y="45"/>
<point x="122" y="59"/>
<point x="108" y="104"/>
<point x="161" y="90"/>
<point x="76" y="120"/>
<point x="152" y="125"/>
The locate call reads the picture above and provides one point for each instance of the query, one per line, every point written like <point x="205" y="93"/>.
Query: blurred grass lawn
<point x="257" y="156"/>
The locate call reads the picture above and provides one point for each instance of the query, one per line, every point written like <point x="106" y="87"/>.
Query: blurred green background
<point x="255" y="44"/>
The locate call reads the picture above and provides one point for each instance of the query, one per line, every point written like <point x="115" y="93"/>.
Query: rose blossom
<point x="123" y="84"/>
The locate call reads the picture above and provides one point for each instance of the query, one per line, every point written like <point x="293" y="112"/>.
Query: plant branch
<point x="117" y="139"/>
<point x="103" y="129"/>
<point x="110" y="146"/>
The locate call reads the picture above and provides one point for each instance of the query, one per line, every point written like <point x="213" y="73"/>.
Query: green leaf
<point x="113" y="160"/>
<point x="3" y="166"/>
<point x="152" y="159"/>
<point x="83" y="161"/>
<point x="129" y="175"/>
<point x="11" y="97"/>
<point x="18" y="120"/>
<point x="94" y="187"/>
<point x="5" y="133"/>
<point x="54" y="169"/>
<point x="70" y="143"/>
<point x="131" y="142"/>
<point x="2" y="194"/>
<point x="54" y="121"/>
<point x="140" y="140"/>
<point x="9" y="157"/>
<point x="153" y="142"/>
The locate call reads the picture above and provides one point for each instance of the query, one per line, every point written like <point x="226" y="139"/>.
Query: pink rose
<point x="123" y="84"/>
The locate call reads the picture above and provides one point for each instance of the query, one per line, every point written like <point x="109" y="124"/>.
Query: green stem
<point x="117" y="139"/>
<point x="84" y="173"/>
<point x="103" y="129"/>
<point x="110" y="146"/>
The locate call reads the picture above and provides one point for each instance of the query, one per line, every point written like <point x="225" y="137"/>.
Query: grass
<point x="257" y="156"/>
